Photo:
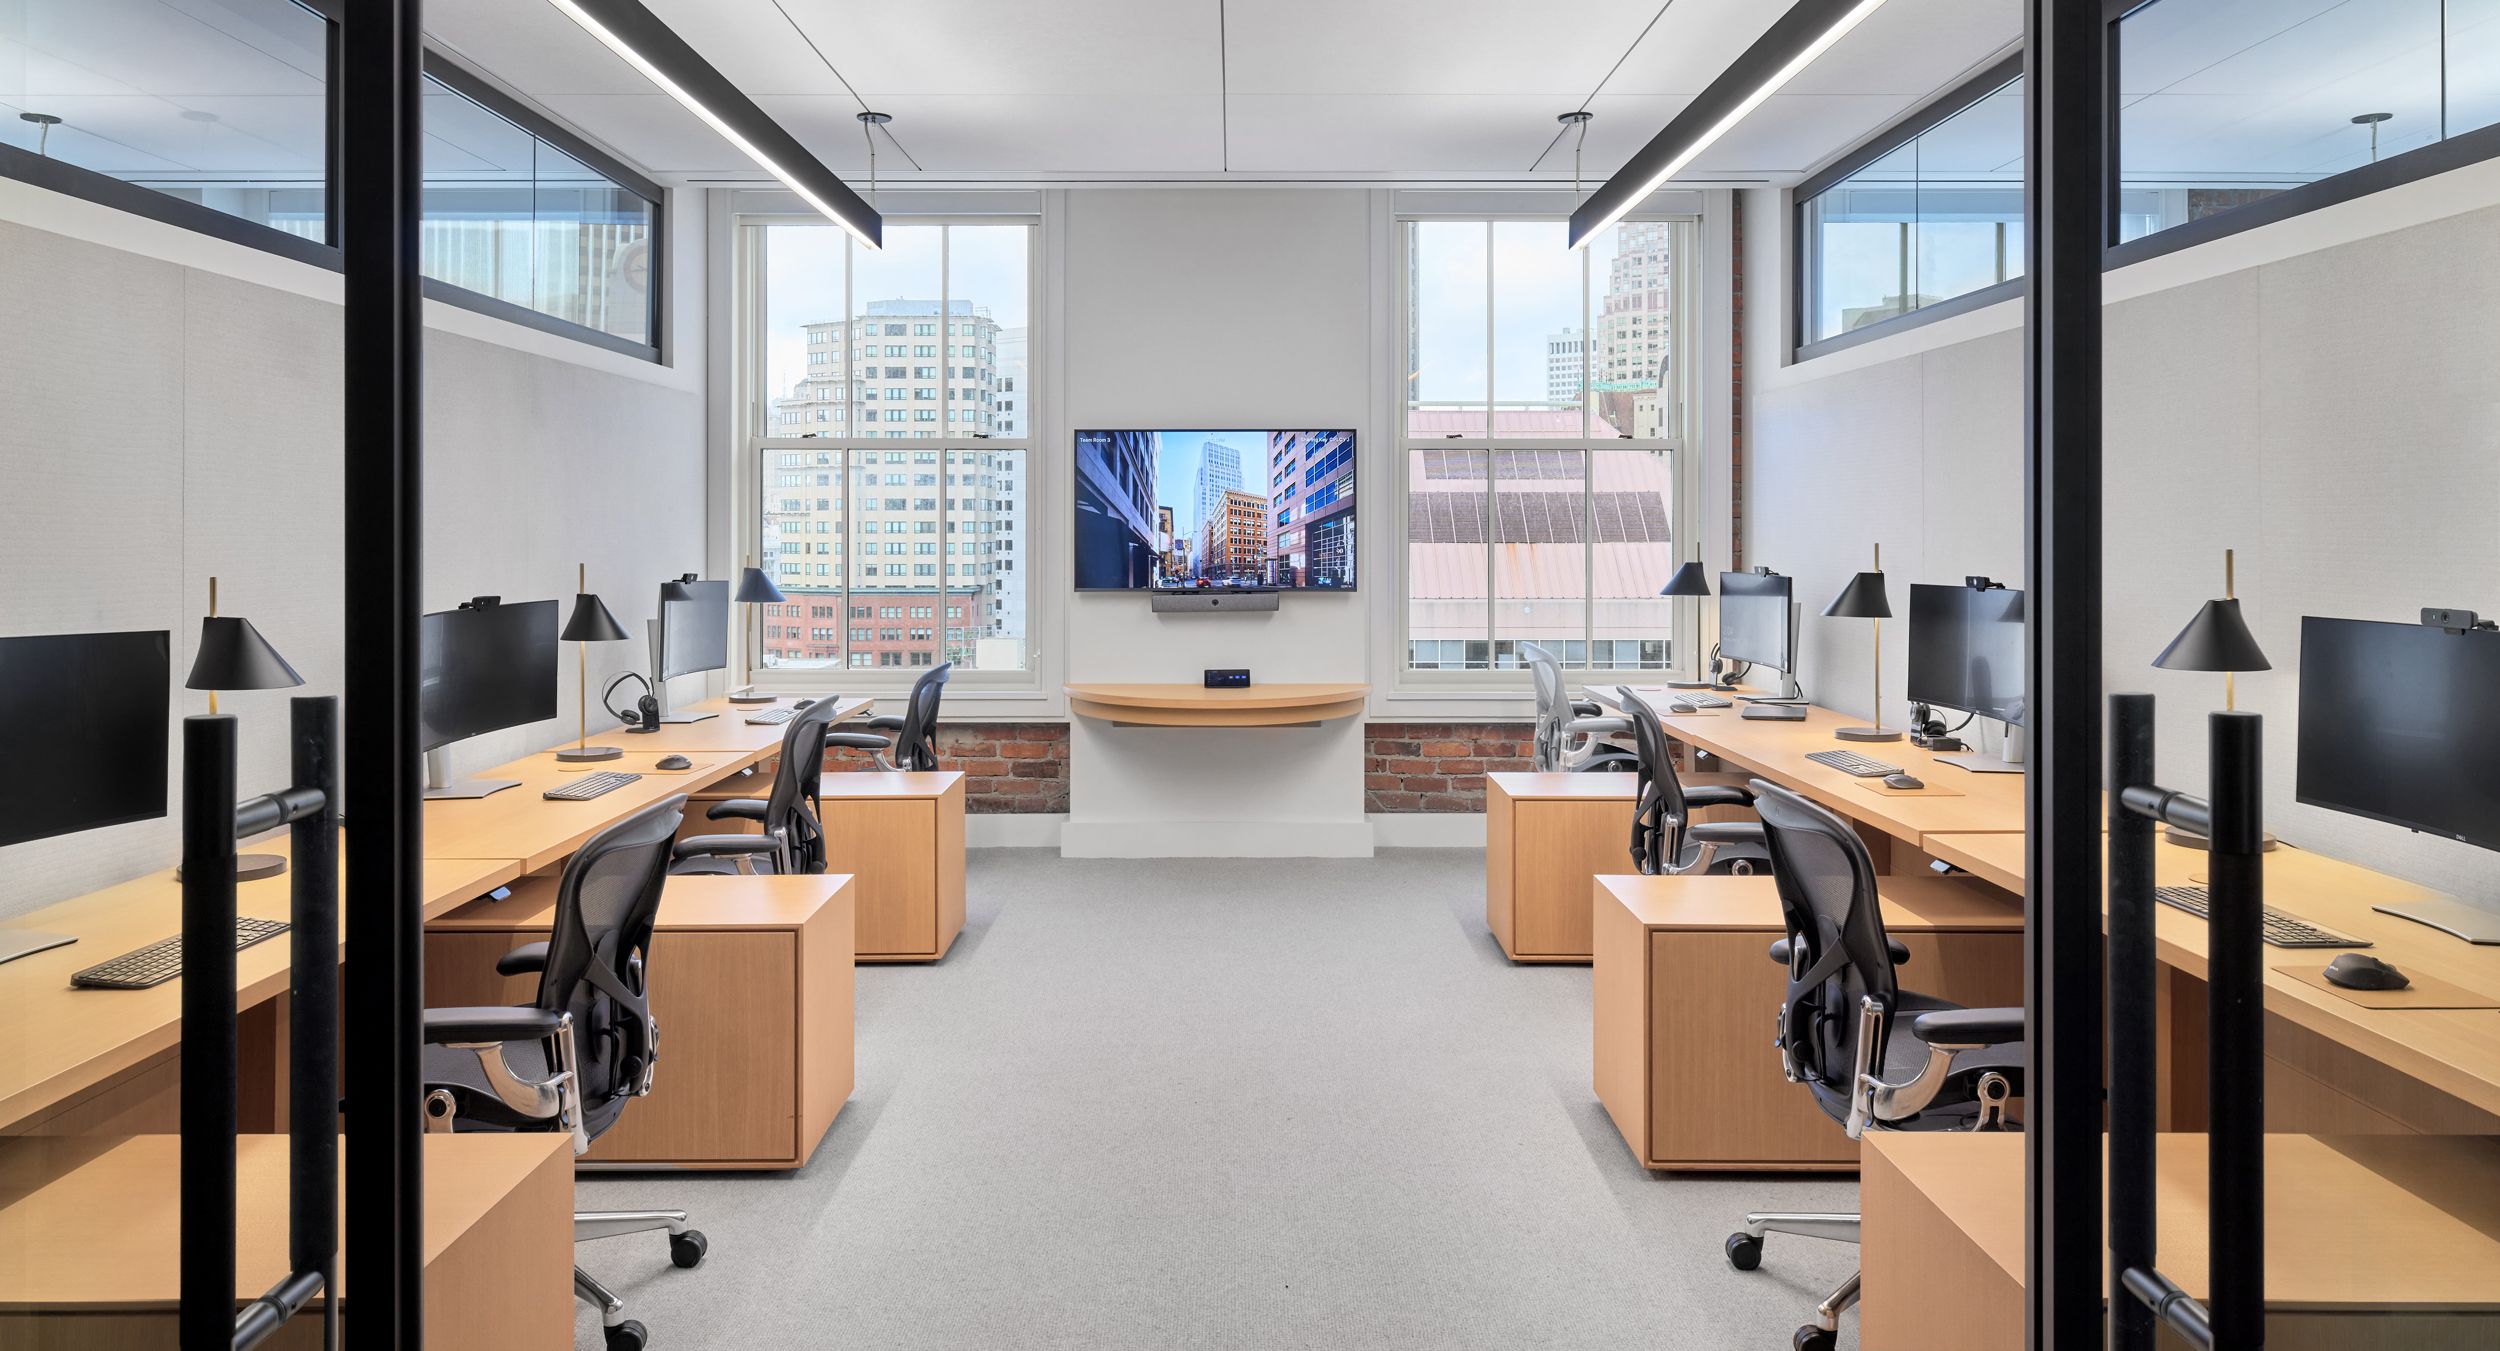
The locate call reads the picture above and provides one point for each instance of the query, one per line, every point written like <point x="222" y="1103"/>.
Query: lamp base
<point x="252" y="867"/>
<point x="2190" y="840"/>
<point x="1866" y="734"/>
<point x="749" y="696"/>
<point x="582" y="755"/>
<point x="1688" y="684"/>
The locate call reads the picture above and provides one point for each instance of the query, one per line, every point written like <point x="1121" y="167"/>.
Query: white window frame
<point x="1681" y="445"/>
<point x="756" y="446"/>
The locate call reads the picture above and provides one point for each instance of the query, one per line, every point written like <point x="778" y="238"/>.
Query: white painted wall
<point x="170" y="408"/>
<point x="1220" y="308"/>
<point x="2317" y="394"/>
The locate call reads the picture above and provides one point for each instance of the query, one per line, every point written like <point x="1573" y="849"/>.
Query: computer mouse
<point x="1679" y="706"/>
<point x="675" y="762"/>
<point x="1903" y="781"/>
<point x="2361" y="971"/>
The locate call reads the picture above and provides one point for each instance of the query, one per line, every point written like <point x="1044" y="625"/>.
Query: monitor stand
<point x="16" y="943"/>
<point x="439" y="785"/>
<point x="1980" y="762"/>
<point x="1789" y="693"/>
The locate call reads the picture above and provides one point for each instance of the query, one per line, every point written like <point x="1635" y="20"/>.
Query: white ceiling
<point x="1405" y="89"/>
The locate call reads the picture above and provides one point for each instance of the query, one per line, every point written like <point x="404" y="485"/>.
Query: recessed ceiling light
<point x="1806" y="31"/>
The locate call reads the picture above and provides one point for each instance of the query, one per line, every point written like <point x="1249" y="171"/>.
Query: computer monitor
<point x="2401" y="723"/>
<point x="1966" y="650"/>
<point x="694" y="633"/>
<point x="1757" y="625"/>
<point x="481" y="669"/>
<point x="84" y="730"/>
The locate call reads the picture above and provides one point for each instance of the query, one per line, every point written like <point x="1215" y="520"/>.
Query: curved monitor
<point x="1215" y="510"/>
<point x="1966" y="650"/>
<point x="2398" y="724"/>
<point x="483" y="670"/>
<point x="1757" y="623"/>
<point x="694" y="633"/>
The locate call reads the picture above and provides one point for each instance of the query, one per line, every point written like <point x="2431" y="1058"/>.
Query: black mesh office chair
<point x="910" y="741"/>
<point x="1570" y="733"/>
<point x="572" y="1058"/>
<point x="1875" y="1056"/>
<point x="793" y="838"/>
<point x="1664" y="837"/>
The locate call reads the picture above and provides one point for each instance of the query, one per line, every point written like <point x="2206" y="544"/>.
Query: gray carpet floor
<point x="1216" y="1104"/>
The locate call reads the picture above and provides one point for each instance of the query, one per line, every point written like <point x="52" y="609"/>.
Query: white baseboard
<point x="1216" y="839"/>
<point x="1013" y="830"/>
<point x="1428" y="830"/>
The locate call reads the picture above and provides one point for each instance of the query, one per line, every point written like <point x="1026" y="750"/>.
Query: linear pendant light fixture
<point x="1806" y="31"/>
<point x="653" y="48"/>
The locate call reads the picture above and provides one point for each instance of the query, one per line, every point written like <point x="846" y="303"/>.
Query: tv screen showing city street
<point x="1182" y="511"/>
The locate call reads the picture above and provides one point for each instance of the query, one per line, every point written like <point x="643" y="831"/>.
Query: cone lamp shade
<point x="233" y="656"/>
<point x="1689" y="580"/>
<point x="754" y="588"/>
<point x="2216" y="639"/>
<point x="1865" y="598"/>
<point x="589" y="623"/>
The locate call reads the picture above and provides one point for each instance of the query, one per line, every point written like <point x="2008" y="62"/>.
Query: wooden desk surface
<point x="1910" y="904"/>
<point x="91" y="1222"/>
<point x="2352" y="1222"/>
<point x="727" y="732"/>
<point x="64" y="1040"/>
<point x="1526" y="786"/>
<point x="2454" y="1050"/>
<point x="1777" y="751"/>
<point x="1185" y="705"/>
<point x="697" y="901"/>
<point x="519" y="823"/>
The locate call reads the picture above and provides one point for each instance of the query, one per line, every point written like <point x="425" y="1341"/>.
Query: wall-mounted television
<point x="1215" y="510"/>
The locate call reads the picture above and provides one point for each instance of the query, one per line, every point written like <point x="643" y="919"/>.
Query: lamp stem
<point x="581" y="669"/>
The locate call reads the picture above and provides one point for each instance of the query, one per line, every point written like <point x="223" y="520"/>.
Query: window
<point x="1937" y="217"/>
<point x="1540" y="500"/>
<point x="219" y="112"/>
<point x="2223" y="106"/>
<point x="976" y="276"/>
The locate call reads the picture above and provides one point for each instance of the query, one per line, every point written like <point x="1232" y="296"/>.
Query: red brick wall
<point x="1439" y="766"/>
<point x="1008" y="767"/>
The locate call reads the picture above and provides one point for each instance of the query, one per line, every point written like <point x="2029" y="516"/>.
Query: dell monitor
<point x="2401" y="723"/>
<point x="481" y="668"/>
<point x="84" y="733"/>
<point x="690" y="636"/>
<point x="1966" y="653"/>
<point x="1758" y="623"/>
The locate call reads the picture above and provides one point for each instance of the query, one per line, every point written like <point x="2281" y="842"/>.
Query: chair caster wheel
<point x="687" y="1249"/>
<point x="1812" y="1338"/>
<point x="628" y="1336"/>
<point x="1744" y="1251"/>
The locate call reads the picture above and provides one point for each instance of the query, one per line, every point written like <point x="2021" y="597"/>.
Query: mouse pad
<point x="2426" y="992"/>
<point x="1933" y="789"/>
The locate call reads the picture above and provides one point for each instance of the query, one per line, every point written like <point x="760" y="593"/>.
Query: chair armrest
<point x="859" y="741"/>
<point x="738" y="809"/>
<point x="890" y="722"/>
<point x="1586" y="708"/>
<point x="523" y="960"/>
<point x="1598" y="726"/>
<point x="495" y="1023"/>
<point x="1716" y="795"/>
<point x="723" y="846"/>
<point x="1964" y="1029"/>
<point x="1900" y="954"/>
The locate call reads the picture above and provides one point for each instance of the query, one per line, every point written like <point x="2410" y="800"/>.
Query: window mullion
<point x="1492" y="509"/>
<point x="946" y="394"/>
<point x="842" y="458"/>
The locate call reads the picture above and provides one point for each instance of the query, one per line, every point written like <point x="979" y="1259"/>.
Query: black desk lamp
<point x="590" y="622"/>
<point x="1690" y="580"/>
<point x="233" y="656"/>
<point x="2216" y="639"/>
<point x="1864" y="598"/>
<point x="754" y="588"/>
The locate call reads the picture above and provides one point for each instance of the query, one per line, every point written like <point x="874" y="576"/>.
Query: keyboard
<point x="589" y="786"/>
<point x="2279" y="930"/>
<point x="772" y="717"/>
<point x="1850" y="762"/>
<point x="1699" y="700"/>
<point x="1775" y="712"/>
<point x="161" y="960"/>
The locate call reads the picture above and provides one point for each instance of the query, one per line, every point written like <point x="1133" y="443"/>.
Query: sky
<point x="1176" y="470"/>
<point x="805" y="271"/>
<point x="1536" y="293"/>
